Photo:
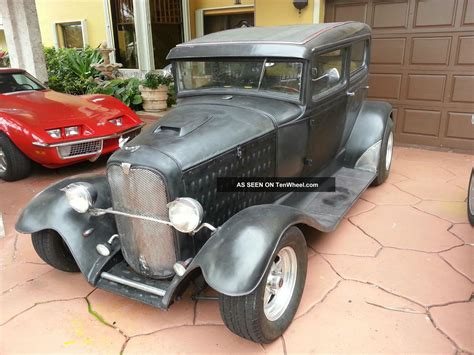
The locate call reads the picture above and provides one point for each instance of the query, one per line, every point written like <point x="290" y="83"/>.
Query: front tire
<point x="386" y="154"/>
<point x="14" y="165"/>
<point x="50" y="247"/>
<point x="263" y="315"/>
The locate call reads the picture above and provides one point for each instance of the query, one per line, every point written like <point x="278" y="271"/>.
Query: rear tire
<point x="260" y="318"/>
<point x="14" y="165"/>
<point x="50" y="247"/>
<point x="386" y="154"/>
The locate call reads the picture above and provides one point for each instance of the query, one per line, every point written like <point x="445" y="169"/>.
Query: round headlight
<point x="81" y="196"/>
<point x="185" y="214"/>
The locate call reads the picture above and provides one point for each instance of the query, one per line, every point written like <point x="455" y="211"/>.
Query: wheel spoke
<point x="267" y="295"/>
<point x="278" y="266"/>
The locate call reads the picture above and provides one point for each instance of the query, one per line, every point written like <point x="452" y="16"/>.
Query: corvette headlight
<point x="54" y="133"/>
<point x="185" y="214"/>
<point x="81" y="196"/>
<point x="71" y="131"/>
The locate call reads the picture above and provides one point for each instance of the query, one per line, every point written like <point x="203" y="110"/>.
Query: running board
<point x="329" y="208"/>
<point x="122" y="280"/>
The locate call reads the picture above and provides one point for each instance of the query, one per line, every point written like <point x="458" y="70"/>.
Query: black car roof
<point x="296" y="41"/>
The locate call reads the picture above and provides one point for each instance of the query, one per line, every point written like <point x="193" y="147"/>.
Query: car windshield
<point x="14" y="82"/>
<point x="260" y="75"/>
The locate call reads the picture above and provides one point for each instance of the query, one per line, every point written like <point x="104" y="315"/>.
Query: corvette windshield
<point x="269" y="75"/>
<point x="14" y="82"/>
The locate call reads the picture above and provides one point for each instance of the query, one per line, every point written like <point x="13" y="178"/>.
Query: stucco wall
<point x="282" y="12"/>
<point x="267" y="12"/>
<point x="50" y="11"/>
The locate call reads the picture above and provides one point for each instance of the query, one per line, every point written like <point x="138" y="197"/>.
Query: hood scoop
<point x="181" y="126"/>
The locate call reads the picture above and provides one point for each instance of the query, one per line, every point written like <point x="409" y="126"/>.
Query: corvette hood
<point x="50" y="109"/>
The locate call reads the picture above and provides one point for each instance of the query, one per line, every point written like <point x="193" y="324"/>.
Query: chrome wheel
<point x="471" y="197"/>
<point x="3" y="161"/>
<point x="280" y="284"/>
<point x="388" y="156"/>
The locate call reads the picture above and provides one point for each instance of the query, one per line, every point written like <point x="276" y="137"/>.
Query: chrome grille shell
<point x="150" y="248"/>
<point x="80" y="149"/>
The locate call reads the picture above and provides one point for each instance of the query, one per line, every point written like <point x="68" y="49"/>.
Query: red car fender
<point x="20" y="134"/>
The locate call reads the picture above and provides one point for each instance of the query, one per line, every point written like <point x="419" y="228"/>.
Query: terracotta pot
<point x="154" y="99"/>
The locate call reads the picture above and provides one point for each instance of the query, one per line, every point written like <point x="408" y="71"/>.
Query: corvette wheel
<point x="14" y="165"/>
<point x="386" y="154"/>
<point x="263" y="315"/>
<point x="50" y="247"/>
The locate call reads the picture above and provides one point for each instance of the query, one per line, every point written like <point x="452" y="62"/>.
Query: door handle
<point x="350" y="93"/>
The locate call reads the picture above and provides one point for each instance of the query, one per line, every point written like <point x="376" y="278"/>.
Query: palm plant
<point x="80" y="62"/>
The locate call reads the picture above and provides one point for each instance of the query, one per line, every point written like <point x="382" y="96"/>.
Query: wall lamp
<point x="300" y="4"/>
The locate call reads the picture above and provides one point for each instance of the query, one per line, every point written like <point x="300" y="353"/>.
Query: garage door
<point x="423" y="63"/>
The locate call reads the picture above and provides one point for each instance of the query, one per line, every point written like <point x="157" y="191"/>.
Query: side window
<point x="358" y="55"/>
<point x="327" y="71"/>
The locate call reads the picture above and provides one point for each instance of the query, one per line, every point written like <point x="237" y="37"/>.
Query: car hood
<point x="50" y="109"/>
<point x="199" y="129"/>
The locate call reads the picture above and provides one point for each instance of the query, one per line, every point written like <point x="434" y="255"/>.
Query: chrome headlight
<point x="81" y="196"/>
<point x="185" y="214"/>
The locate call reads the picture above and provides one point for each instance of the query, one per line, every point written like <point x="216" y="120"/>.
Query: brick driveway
<point x="395" y="277"/>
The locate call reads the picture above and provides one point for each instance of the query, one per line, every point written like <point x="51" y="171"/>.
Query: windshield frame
<point x="242" y="91"/>
<point x="27" y="75"/>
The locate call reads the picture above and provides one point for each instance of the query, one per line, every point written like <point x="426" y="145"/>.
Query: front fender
<point x="233" y="261"/>
<point x="50" y="210"/>
<point x="368" y="129"/>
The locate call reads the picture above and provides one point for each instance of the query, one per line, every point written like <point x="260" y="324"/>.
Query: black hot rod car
<point x="253" y="102"/>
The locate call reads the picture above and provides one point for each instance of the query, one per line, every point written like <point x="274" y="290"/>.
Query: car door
<point x="327" y="112"/>
<point x="358" y="84"/>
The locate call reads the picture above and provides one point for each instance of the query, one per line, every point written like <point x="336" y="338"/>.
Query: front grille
<point x="148" y="247"/>
<point x="80" y="149"/>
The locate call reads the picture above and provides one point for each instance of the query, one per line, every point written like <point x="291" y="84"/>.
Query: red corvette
<point x="55" y="129"/>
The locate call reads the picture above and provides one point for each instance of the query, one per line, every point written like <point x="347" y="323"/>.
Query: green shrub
<point x="126" y="90"/>
<point x="70" y="70"/>
<point x="154" y="80"/>
<point x="80" y="62"/>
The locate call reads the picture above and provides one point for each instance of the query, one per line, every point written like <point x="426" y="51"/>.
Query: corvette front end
<point x="64" y="153"/>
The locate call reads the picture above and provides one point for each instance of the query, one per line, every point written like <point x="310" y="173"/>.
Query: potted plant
<point x="154" y="90"/>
